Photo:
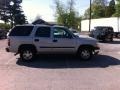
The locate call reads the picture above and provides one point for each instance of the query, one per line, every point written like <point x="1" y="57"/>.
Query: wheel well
<point x="27" y="46"/>
<point x="86" y="46"/>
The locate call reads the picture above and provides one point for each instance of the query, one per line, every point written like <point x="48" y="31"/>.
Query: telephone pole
<point x="90" y="15"/>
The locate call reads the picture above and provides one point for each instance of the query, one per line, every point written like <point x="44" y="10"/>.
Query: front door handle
<point x="36" y="40"/>
<point x="55" y="40"/>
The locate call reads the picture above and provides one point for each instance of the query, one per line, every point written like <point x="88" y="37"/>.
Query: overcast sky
<point x="45" y="8"/>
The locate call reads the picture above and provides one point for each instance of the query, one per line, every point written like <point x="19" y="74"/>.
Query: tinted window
<point x="43" y="32"/>
<point x="74" y="31"/>
<point x="61" y="33"/>
<point x="21" y="31"/>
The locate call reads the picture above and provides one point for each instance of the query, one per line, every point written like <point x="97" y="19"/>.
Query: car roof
<point x="43" y="25"/>
<point x="33" y="25"/>
<point x="103" y="27"/>
<point x="59" y="26"/>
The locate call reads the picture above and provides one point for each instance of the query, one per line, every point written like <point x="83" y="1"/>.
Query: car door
<point x="63" y="41"/>
<point x="43" y="40"/>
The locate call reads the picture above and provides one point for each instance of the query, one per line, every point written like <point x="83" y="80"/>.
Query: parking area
<point x="62" y="72"/>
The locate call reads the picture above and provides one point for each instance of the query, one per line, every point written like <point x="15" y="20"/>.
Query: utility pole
<point x="118" y="24"/>
<point x="90" y="15"/>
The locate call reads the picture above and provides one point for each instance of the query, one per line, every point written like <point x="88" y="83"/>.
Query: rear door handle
<point x="36" y="40"/>
<point x="55" y="40"/>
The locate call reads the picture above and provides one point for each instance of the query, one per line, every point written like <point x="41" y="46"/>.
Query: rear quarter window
<point x="21" y="31"/>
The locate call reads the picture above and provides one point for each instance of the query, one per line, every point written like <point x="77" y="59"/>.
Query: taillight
<point x="8" y="42"/>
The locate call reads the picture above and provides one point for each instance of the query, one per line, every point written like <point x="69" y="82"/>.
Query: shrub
<point x="5" y="26"/>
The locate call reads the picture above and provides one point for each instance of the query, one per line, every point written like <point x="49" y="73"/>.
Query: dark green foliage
<point x="100" y="2"/>
<point x="12" y="12"/>
<point x="117" y="9"/>
<point x="5" y="26"/>
<point x="101" y="9"/>
<point x="98" y="11"/>
<point x="110" y="10"/>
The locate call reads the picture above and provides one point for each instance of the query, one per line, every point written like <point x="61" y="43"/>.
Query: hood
<point x="87" y="37"/>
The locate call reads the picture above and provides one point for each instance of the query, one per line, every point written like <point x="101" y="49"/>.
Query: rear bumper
<point x="102" y="37"/>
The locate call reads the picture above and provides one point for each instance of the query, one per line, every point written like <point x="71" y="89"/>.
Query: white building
<point x="113" y="22"/>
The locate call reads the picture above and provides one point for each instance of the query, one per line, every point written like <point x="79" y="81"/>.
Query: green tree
<point x="66" y="15"/>
<point x="4" y="26"/>
<point x="86" y="14"/>
<point x="96" y="12"/>
<point x="117" y="13"/>
<point x="4" y="16"/>
<point x="98" y="9"/>
<point x="110" y="10"/>
<point x="100" y="2"/>
<point x="17" y="15"/>
<point x="61" y="13"/>
<point x="11" y="11"/>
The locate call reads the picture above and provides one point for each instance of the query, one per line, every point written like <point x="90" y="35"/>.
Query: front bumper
<point x="7" y="49"/>
<point x="96" y="50"/>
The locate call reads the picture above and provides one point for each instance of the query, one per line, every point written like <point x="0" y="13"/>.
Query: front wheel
<point x="118" y="35"/>
<point x="85" y="54"/>
<point x="27" y="55"/>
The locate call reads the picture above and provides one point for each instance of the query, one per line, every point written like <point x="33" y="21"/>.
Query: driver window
<point x="60" y="33"/>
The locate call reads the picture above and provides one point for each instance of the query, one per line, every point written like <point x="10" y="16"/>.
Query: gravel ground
<point x="62" y="72"/>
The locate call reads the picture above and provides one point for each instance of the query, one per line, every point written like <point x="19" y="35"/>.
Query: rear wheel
<point x="108" y="38"/>
<point x="111" y="39"/>
<point x="85" y="54"/>
<point x="27" y="54"/>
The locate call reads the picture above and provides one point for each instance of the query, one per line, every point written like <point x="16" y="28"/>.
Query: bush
<point x="4" y="26"/>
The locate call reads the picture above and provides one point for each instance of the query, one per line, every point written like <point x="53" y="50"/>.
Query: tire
<point x="27" y="55"/>
<point x="107" y="39"/>
<point x="111" y="40"/>
<point x="118" y="36"/>
<point x="85" y="54"/>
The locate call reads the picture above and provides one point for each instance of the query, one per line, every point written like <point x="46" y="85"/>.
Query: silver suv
<point x="29" y="40"/>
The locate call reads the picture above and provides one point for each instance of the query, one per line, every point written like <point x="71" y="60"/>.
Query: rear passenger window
<point x="43" y="32"/>
<point x="21" y="31"/>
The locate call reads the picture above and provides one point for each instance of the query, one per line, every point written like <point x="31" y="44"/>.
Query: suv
<point x="102" y="33"/>
<point x="29" y="40"/>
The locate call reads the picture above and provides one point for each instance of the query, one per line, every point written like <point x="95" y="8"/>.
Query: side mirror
<point x="69" y="36"/>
